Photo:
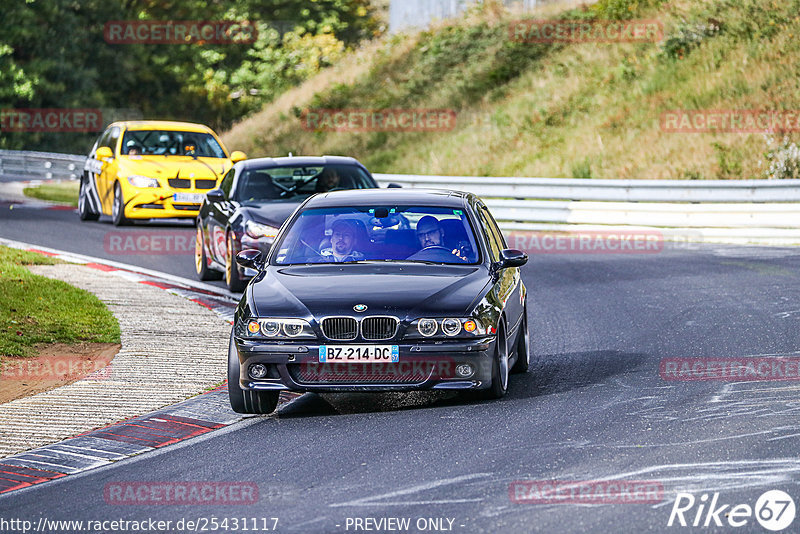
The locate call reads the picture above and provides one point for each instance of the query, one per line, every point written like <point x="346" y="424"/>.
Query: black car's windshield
<point x="378" y="233"/>
<point x="170" y="143"/>
<point x="297" y="183"/>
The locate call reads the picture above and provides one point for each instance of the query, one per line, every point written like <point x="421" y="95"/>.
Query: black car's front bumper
<point x="423" y="365"/>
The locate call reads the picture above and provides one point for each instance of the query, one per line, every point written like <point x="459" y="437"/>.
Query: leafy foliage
<point x="53" y="55"/>
<point x="783" y="159"/>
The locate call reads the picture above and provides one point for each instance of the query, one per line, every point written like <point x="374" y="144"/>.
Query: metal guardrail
<point x="730" y="211"/>
<point x="40" y="165"/>
<point x="741" y="211"/>
<point x="609" y="190"/>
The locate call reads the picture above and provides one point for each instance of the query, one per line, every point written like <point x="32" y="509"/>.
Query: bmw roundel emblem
<point x="360" y="308"/>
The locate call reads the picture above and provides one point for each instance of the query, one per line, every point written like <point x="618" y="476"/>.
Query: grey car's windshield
<point x="297" y="183"/>
<point x="378" y="233"/>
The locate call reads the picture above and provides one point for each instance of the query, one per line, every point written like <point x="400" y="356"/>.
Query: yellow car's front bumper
<point x="163" y="203"/>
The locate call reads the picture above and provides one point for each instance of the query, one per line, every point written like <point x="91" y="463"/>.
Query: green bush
<point x="622" y="9"/>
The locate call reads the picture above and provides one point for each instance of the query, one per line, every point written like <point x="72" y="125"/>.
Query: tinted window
<point x="114" y="138"/>
<point x="378" y="233"/>
<point x="297" y="183"/>
<point x="105" y="139"/>
<point x="491" y="235"/>
<point x="171" y="143"/>
<point x="227" y="182"/>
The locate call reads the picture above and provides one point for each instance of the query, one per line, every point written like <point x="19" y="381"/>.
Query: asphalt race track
<point x="593" y="407"/>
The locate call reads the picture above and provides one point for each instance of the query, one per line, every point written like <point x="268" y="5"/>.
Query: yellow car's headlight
<point x="142" y="181"/>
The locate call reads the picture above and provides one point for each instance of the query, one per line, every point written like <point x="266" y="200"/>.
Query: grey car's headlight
<point x="257" y="230"/>
<point x="273" y="328"/>
<point x="142" y="181"/>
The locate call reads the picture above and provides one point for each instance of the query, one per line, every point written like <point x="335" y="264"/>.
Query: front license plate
<point x="189" y="198"/>
<point x="359" y="353"/>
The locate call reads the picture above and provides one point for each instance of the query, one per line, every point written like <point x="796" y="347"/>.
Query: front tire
<point x="499" y="385"/>
<point x="118" y="209"/>
<point x="84" y="208"/>
<point x="246" y="401"/>
<point x="204" y="273"/>
<point x="232" y="277"/>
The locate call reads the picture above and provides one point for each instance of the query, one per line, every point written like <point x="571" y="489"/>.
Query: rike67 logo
<point x="774" y="510"/>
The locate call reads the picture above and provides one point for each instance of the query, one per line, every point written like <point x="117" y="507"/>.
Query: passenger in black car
<point x="343" y="240"/>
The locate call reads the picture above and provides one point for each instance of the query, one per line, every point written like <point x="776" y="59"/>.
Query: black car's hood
<point x="272" y="213"/>
<point x="407" y="291"/>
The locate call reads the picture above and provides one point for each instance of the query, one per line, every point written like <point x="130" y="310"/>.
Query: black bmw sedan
<point x="254" y="199"/>
<point x="380" y="290"/>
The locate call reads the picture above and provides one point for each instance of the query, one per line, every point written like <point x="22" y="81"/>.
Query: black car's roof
<point x="394" y="196"/>
<point x="263" y="163"/>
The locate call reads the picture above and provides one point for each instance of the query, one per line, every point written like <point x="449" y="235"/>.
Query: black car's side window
<point x="227" y="183"/>
<point x="498" y="234"/>
<point x="486" y="223"/>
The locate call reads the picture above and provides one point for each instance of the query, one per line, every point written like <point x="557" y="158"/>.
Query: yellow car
<point x="152" y="169"/>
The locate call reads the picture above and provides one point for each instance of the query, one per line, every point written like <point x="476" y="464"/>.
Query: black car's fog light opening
<point x="464" y="370"/>
<point x="257" y="371"/>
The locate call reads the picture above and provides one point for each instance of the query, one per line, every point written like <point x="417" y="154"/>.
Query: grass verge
<point x="62" y="192"/>
<point x="561" y="109"/>
<point x="35" y="309"/>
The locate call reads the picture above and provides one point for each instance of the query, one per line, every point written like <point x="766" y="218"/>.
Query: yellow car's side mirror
<point x="103" y="153"/>
<point x="238" y="155"/>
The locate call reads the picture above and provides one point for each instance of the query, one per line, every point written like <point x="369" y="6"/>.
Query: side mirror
<point x="512" y="258"/>
<point x="238" y="155"/>
<point x="250" y="258"/>
<point x="103" y="153"/>
<point x="394" y="186"/>
<point x="215" y="195"/>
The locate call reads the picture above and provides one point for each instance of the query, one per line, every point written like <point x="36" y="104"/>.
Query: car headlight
<point x="278" y="329"/>
<point x="257" y="230"/>
<point x="447" y="327"/>
<point x="142" y="181"/>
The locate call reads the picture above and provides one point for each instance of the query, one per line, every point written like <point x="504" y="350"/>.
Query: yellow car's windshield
<point x="170" y="143"/>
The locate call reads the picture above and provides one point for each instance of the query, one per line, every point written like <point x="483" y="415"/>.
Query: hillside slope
<point x="559" y="109"/>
